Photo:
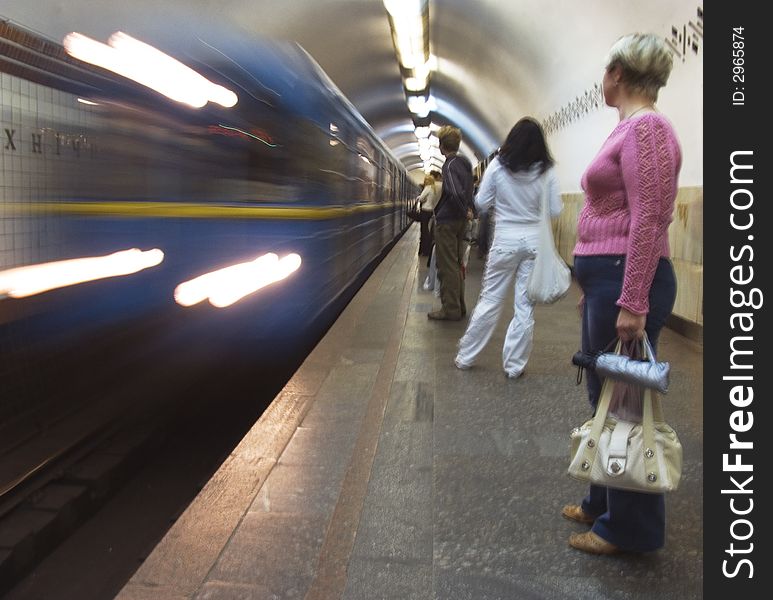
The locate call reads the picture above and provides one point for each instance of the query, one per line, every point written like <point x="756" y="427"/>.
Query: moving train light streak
<point x="145" y="64"/>
<point x="228" y="285"/>
<point x="35" y="279"/>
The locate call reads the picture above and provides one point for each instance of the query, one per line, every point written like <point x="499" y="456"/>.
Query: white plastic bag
<point x="550" y="278"/>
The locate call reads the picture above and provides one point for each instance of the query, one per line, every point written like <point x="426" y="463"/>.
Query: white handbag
<point x="640" y="457"/>
<point x="550" y="278"/>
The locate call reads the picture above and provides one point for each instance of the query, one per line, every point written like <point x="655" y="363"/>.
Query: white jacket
<point x="516" y="199"/>
<point x="429" y="197"/>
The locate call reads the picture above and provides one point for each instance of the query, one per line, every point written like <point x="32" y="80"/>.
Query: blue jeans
<point x="630" y="520"/>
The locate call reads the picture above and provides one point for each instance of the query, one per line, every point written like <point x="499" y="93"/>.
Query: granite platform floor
<point x="382" y="471"/>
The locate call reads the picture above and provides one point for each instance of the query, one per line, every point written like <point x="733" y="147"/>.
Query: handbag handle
<point x="651" y="411"/>
<point x="655" y="404"/>
<point x="647" y="352"/>
<point x="545" y="211"/>
<point x="543" y="202"/>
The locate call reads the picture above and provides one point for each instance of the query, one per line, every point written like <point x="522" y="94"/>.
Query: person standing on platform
<point x="452" y="213"/>
<point x="431" y="283"/>
<point x="621" y="262"/>
<point x="513" y="185"/>
<point x="427" y="201"/>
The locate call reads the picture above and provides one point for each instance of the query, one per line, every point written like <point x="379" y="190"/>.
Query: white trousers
<point x="505" y="266"/>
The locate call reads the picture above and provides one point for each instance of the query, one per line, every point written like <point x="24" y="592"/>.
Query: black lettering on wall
<point x="9" y="145"/>
<point x="37" y="143"/>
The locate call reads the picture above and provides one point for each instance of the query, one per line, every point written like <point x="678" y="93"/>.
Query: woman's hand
<point x="581" y="304"/>
<point x="630" y="326"/>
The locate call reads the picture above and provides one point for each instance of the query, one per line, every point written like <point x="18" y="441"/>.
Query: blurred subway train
<point x="145" y="201"/>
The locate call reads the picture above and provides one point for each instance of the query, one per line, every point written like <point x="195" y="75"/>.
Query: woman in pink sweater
<point x="622" y="264"/>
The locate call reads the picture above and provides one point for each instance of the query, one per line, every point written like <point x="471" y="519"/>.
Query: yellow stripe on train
<point x="199" y="210"/>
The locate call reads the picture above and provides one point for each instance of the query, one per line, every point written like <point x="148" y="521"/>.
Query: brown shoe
<point x="592" y="543"/>
<point x="439" y="315"/>
<point x="574" y="512"/>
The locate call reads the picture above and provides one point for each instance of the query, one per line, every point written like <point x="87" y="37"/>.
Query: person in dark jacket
<point x="452" y="213"/>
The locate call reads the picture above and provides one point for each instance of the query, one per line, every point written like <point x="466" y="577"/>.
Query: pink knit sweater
<point x="629" y="198"/>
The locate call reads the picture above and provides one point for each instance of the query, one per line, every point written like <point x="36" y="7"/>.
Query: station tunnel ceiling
<point x="492" y="61"/>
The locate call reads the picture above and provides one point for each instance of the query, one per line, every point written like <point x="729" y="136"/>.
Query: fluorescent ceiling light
<point x="408" y="29"/>
<point x="423" y="70"/>
<point x="419" y="105"/>
<point x="400" y="9"/>
<point x="416" y="84"/>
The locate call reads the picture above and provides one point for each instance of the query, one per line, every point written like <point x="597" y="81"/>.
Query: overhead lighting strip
<point x="409" y="23"/>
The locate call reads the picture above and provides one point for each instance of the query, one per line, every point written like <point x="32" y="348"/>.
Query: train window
<point x="367" y="170"/>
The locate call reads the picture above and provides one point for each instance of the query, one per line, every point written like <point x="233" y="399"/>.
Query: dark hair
<point x="525" y="145"/>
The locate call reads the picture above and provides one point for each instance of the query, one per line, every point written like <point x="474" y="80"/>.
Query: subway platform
<point x="382" y="471"/>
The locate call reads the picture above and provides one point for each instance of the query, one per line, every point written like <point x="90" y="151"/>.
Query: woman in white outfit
<point x="512" y="184"/>
<point x="428" y="199"/>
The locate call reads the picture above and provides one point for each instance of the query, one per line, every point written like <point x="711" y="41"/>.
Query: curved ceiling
<point x="495" y="60"/>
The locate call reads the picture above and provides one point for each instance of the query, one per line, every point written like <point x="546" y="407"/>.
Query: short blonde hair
<point x="450" y="137"/>
<point x="645" y="60"/>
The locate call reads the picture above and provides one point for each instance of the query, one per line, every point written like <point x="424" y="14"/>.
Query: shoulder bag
<point x="550" y="278"/>
<point x="414" y="212"/>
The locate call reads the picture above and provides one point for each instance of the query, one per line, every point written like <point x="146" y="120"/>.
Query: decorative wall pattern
<point x="592" y="99"/>
<point x="684" y="40"/>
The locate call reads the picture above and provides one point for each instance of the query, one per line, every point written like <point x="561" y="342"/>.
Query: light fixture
<point x="416" y="84"/>
<point x="418" y="105"/>
<point x="408" y="31"/>
<point x="409" y="23"/>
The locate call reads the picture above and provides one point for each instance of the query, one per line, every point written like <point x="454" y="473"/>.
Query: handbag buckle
<point x="615" y="466"/>
<point x="618" y="448"/>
